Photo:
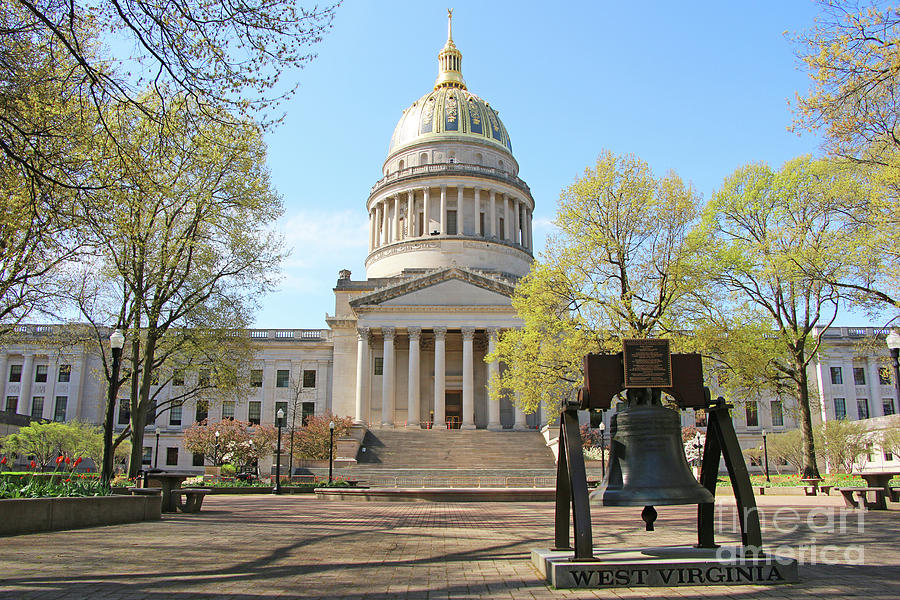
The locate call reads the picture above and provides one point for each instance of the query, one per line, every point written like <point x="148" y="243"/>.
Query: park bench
<point x="861" y="501"/>
<point x="895" y="494"/>
<point x="193" y="499"/>
<point x="813" y="485"/>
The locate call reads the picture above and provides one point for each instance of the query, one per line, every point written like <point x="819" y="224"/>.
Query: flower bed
<point x="30" y="515"/>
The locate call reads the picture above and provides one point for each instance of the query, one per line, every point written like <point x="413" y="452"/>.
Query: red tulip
<point x="68" y="481"/>
<point x="78" y="462"/>
<point x="3" y="461"/>
<point x="59" y="459"/>
<point x="89" y="470"/>
<point x="68" y="460"/>
<point x="33" y="464"/>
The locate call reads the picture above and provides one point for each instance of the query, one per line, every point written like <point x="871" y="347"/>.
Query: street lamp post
<point x="603" y="449"/>
<point x="156" y="452"/>
<point x="116" y="343"/>
<point x="279" y="417"/>
<point x="216" y="451"/>
<point x="893" y="344"/>
<point x="330" y="450"/>
<point x="766" y="455"/>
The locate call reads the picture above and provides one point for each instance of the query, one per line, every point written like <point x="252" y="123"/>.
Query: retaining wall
<point x="30" y="515"/>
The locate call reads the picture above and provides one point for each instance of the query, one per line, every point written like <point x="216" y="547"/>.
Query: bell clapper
<point x="649" y="516"/>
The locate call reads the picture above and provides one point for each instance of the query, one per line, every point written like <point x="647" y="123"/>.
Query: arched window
<point x="452" y="157"/>
<point x="400" y="166"/>
<point x="500" y="164"/>
<point x="423" y="158"/>
<point x="478" y="158"/>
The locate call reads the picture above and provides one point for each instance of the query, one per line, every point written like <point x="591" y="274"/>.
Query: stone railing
<point x="451" y="169"/>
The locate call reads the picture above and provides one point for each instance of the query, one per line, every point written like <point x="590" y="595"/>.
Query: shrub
<point x="228" y="470"/>
<point x="311" y="440"/>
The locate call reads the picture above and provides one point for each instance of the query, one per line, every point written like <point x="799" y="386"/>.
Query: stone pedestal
<point x="662" y="567"/>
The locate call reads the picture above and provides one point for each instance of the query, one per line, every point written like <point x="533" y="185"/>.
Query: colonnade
<point x="408" y="215"/>
<point x="413" y="399"/>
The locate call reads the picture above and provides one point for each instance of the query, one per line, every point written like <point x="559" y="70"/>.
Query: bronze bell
<point x="647" y="465"/>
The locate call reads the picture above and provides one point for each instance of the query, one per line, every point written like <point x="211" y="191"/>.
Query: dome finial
<point x="450" y="61"/>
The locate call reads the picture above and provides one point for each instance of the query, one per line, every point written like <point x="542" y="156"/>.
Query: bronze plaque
<point x="648" y="363"/>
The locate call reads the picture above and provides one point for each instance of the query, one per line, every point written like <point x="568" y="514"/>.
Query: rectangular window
<point x="37" y="407"/>
<point x="15" y="373"/>
<point x="501" y="229"/>
<point x="309" y="378"/>
<point x="253" y="412"/>
<point x="752" y="414"/>
<point x="228" y="409"/>
<point x="40" y="374"/>
<point x="379" y="365"/>
<point x="884" y="376"/>
<point x="777" y="414"/>
<point x="700" y="418"/>
<point x="175" y="416"/>
<point x="862" y="408"/>
<point x="887" y="405"/>
<point x="859" y="376"/>
<point x="888" y="456"/>
<point x="282" y="378"/>
<point x="283" y="407"/>
<point x="59" y="411"/>
<point x="256" y="378"/>
<point x="147" y="455"/>
<point x="837" y="377"/>
<point x="12" y="403"/>
<point x="451" y="222"/>
<point x="202" y="410"/>
<point x="171" y="457"/>
<point x="124" y="411"/>
<point x="204" y="378"/>
<point x="307" y="409"/>
<point x="840" y="408"/>
<point x="481" y="223"/>
<point x="178" y="377"/>
<point x="198" y="460"/>
<point x="65" y="374"/>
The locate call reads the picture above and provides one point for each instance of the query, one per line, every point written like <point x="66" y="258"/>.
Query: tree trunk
<point x="140" y="403"/>
<point x="810" y="469"/>
<point x="109" y="451"/>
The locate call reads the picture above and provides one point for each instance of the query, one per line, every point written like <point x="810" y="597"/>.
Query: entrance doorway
<point x="453" y="408"/>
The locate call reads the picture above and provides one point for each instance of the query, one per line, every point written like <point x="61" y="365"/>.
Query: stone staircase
<point x="451" y="458"/>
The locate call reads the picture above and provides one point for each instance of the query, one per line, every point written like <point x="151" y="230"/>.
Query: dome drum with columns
<point x="449" y="235"/>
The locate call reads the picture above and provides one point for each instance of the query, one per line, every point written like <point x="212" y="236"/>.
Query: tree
<point x="759" y="231"/>
<point x="787" y="447"/>
<point x="851" y="56"/>
<point x="238" y="442"/>
<point x="184" y="248"/>
<point x="46" y="441"/>
<point x="311" y="440"/>
<point x="616" y="268"/>
<point x="842" y="443"/>
<point x="890" y="440"/>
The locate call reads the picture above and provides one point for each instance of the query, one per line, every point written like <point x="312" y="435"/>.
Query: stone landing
<point x="662" y="567"/>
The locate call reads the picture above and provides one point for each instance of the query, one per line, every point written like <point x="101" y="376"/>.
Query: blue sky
<point x="700" y="88"/>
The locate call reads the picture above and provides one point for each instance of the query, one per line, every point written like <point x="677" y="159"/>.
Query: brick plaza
<point x="243" y="547"/>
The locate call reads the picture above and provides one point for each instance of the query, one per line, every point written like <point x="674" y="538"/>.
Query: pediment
<point x="447" y="287"/>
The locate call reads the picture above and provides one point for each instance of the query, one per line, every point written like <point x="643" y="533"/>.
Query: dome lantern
<point x="450" y="61"/>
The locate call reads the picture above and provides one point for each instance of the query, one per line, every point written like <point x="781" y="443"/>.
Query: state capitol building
<point x="450" y="233"/>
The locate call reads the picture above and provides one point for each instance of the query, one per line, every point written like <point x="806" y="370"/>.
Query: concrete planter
<point x="29" y="515"/>
<point x="240" y="490"/>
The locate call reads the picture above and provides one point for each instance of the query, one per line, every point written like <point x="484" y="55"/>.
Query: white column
<point x="395" y="227"/>
<point x="468" y="398"/>
<point x="492" y="221"/>
<point x="875" y="408"/>
<point x="24" y="406"/>
<point x="443" y="217"/>
<point x="50" y="394"/>
<point x="440" y="419"/>
<point x="77" y="383"/>
<point x="426" y="228"/>
<point x="478" y="230"/>
<point x="507" y="218"/>
<point x="528" y="223"/>
<point x="460" y="213"/>
<point x="4" y="376"/>
<point x="520" y="416"/>
<point x="517" y="238"/>
<point x="412" y="405"/>
<point x="493" y="379"/>
<point x="410" y="214"/>
<point x="383" y="217"/>
<point x="387" y="381"/>
<point x="362" y="370"/>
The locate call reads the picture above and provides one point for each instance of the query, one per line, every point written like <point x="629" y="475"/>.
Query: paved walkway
<point x="245" y="547"/>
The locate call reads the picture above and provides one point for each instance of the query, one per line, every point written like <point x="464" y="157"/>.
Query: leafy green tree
<point x="851" y="56"/>
<point x="842" y="443"/>
<point x="890" y="440"/>
<point x="618" y="267"/>
<point x="760" y="230"/>
<point x="184" y="248"/>
<point x="311" y="440"/>
<point x="46" y="441"/>
<point x="787" y="447"/>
